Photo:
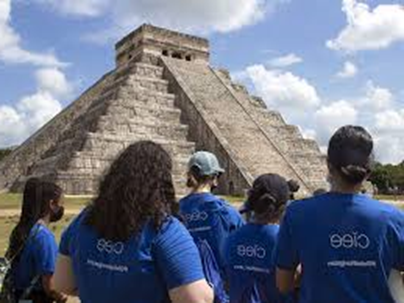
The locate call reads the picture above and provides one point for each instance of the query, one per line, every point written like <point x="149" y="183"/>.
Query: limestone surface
<point x="163" y="89"/>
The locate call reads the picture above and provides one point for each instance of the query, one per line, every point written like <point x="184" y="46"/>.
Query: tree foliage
<point x="389" y="179"/>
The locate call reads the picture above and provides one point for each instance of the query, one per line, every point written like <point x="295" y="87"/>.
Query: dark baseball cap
<point x="272" y="184"/>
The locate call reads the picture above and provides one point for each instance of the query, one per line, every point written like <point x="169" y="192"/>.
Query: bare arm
<point x="63" y="279"/>
<point x="47" y="287"/>
<point x="285" y="280"/>
<point x="196" y="292"/>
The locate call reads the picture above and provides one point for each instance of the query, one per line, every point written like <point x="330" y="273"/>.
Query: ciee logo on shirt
<point x="251" y="251"/>
<point x="110" y="247"/>
<point x="196" y="216"/>
<point x="350" y="240"/>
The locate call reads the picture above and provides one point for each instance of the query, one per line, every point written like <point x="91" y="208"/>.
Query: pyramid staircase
<point x="134" y="106"/>
<point x="261" y="139"/>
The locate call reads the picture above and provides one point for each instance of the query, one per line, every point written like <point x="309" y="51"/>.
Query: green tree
<point x="388" y="177"/>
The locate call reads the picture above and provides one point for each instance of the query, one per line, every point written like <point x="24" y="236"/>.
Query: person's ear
<point x="53" y="205"/>
<point x="215" y="181"/>
<point x="331" y="172"/>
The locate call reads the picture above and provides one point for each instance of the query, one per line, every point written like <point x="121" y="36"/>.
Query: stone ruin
<point x="163" y="89"/>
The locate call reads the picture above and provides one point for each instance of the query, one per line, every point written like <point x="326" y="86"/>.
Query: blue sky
<point x="322" y="64"/>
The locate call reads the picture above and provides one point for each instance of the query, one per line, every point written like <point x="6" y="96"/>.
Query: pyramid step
<point x="45" y="165"/>
<point x="139" y="127"/>
<point x="138" y="82"/>
<point x="145" y="112"/>
<point x="298" y="145"/>
<point x="83" y="184"/>
<point x="86" y="164"/>
<point x="141" y="69"/>
<point x="271" y="117"/>
<point x="114" y="85"/>
<point x="97" y="144"/>
<point x="146" y="97"/>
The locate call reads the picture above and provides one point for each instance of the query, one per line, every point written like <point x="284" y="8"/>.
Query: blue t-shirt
<point x="37" y="259"/>
<point x="142" y="269"/>
<point x="347" y="245"/>
<point x="250" y="264"/>
<point x="210" y="218"/>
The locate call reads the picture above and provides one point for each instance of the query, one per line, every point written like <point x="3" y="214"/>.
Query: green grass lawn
<point x="13" y="201"/>
<point x="7" y="224"/>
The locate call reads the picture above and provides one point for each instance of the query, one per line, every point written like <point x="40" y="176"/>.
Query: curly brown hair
<point x="137" y="188"/>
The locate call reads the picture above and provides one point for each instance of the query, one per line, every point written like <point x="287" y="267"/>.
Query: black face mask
<point x="57" y="215"/>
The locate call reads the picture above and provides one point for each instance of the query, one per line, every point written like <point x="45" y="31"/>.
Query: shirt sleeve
<point x="286" y="254"/>
<point x="235" y="219"/>
<point x="68" y="236"/>
<point x="45" y="253"/>
<point x="177" y="256"/>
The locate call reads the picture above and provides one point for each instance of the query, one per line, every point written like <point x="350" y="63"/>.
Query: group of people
<point x="133" y="243"/>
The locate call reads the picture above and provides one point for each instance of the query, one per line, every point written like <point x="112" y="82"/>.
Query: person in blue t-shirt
<point x="249" y="250"/>
<point x="32" y="249"/>
<point x="208" y="218"/>
<point x="126" y="246"/>
<point x="347" y="243"/>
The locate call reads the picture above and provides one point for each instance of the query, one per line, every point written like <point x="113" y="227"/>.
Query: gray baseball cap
<point x="206" y="163"/>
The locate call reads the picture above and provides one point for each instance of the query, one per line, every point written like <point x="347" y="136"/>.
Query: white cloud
<point x="391" y="121"/>
<point x="389" y="130"/>
<point x="86" y="8"/>
<point x="389" y="148"/>
<point x="12" y="128"/>
<point x="30" y="113"/>
<point x="298" y="101"/>
<point x="377" y="98"/>
<point x="369" y="29"/>
<point x="187" y="15"/>
<point x="329" y="118"/>
<point x="349" y="71"/>
<point x="53" y="81"/>
<point x="285" y="61"/>
<point x="38" y="109"/>
<point x="283" y="89"/>
<point x="11" y="50"/>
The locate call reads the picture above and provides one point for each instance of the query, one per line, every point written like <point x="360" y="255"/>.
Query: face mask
<point x="57" y="215"/>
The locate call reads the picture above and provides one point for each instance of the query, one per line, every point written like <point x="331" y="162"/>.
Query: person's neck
<point x="346" y="189"/>
<point x="202" y="189"/>
<point x="44" y="221"/>
<point x="264" y="221"/>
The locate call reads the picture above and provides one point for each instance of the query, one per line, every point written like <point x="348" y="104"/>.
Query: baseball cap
<point x="206" y="162"/>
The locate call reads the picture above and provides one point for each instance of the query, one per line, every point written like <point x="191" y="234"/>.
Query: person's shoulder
<point x="41" y="232"/>
<point x="303" y="204"/>
<point x="171" y="225"/>
<point x="388" y="211"/>
<point x="171" y="231"/>
<point x="76" y="223"/>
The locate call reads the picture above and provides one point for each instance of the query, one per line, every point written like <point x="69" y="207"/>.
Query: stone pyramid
<point x="164" y="89"/>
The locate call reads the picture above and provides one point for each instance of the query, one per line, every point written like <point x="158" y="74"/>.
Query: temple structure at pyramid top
<point x="164" y="89"/>
<point x="152" y="42"/>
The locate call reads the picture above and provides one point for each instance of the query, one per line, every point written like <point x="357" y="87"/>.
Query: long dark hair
<point x="350" y="153"/>
<point x="35" y="206"/>
<point x="138" y="187"/>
